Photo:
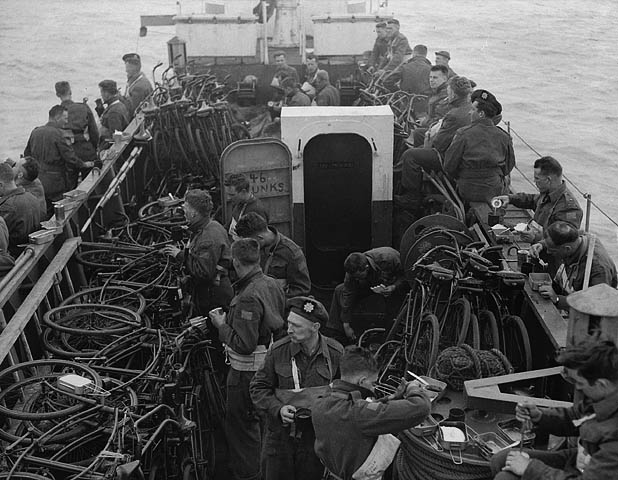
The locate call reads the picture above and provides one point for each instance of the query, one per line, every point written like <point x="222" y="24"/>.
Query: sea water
<point x="552" y="64"/>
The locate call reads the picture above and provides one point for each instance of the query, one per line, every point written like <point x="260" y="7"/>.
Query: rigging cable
<point x="585" y="195"/>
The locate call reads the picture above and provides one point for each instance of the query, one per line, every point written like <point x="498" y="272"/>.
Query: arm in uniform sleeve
<point x="67" y="153"/>
<point x="93" y="130"/>
<point x="510" y="158"/>
<point x="202" y="261"/>
<point x="559" y="421"/>
<point x="263" y="385"/>
<point x="241" y="332"/>
<point x="603" y="464"/>
<point x="348" y="297"/>
<point x="399" y="49"/>
<point x="454" y="154"/>
<point x="376" y="418"/>
<point x="139" y="92"/>
<point x="375" y="54"/>
<point x="601" y="273"/>
<point x="28" y="149"/>
<point x="568" y="210"/>
<point x="524" y="200"/>
<point x="115" y="122"/>
<point x="299" y="282"/>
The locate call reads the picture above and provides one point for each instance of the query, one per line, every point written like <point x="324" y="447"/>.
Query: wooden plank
<point x="31" y="303"/>
<point x="549" y="317"/>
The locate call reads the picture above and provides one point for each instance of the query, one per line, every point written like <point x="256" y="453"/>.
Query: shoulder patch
<point x="373" y="406"/>
<point x="246" y="315"/>
<point x="334" y="344"/>
<point x="571" y="216"/>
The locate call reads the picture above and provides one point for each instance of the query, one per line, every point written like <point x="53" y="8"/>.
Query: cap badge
<point x="484" y="95"/>
<point x="308" y="307"/>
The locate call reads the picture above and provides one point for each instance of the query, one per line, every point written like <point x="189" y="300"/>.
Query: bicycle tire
<point x="489" y="333"/>
<point x="524" y="362"/>
<point x="181" y="149"/>
<point x="473" y="337"/>
<point x="430" y="353"/>
<point x="454" y="327"/>
<point x="131" y="319"/>
<point x="20" y="415"/>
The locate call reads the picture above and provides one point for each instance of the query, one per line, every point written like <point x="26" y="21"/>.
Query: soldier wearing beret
<point x="297" y="370"/>
<point x="115" y="117"/>
<point x="481" y="155"/>
<point x="138" y="86"/>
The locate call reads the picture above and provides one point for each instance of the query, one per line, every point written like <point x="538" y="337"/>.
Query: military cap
<point x="381" y="25"/>
<point x="109" y="86"/>
<point x="278" y="53"/>
<point x="308" y="308"/>
<point x="392" y="21"/>
<point x="444" y="53"/>
<point x="133" y="58"/>
<point x="488" y="98"/>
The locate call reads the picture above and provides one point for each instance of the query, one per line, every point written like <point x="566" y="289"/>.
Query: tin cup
<point x="59" y="212"/>
<point x="522" y="257"/>
<point x="215" y="312"/>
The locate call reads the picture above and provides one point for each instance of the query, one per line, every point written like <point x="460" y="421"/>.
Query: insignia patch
<point x="484" y="95"/>
<point x="246" y="315"/>
<point x="308" y="307"/>
<point x="373" y="405"/>
<point x="571" y="215"/>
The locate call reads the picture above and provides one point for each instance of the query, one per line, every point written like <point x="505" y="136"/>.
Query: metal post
<point x="588" y="198"/>
<point x="265" y="32"/>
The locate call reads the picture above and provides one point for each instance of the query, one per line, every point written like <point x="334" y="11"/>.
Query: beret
<point x="308" y="308"/>
<point x="133" y="58"/>
<point x="444" y="53"/>
<point x="487" y="98"/>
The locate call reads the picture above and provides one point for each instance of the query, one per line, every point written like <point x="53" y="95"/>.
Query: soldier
<point x="308" y="86"/>
<point x="377" y="271"/>
<point x="115" y="117"/>
<point x="281" y="258"/>
<point x="437" y="104"/>
<point x="305" y="360"/>
<point x="355" y="436"/>
<point x="293" y="95"/>
<point x="243" y="201"/>
<point x="413" y="75"/>
<point x="55" y="156"/>
<point x="398" y="47"/>
<point x="255" y="315"/>
<point x="443" y="58"/>
<point x="564" y="242"/>
<point x="82" y="125"/>
<point x="481" y="155"/>
<point x="26" y="172"/>
<point x="19" y="209"/>
<point x="326" y="94"/>
<point x="380" y="47"/>
<point x="138" y="86"/>
<point x="283" y="69"/>
<point x="207" y="258"/>
<point x="553" y="202"/>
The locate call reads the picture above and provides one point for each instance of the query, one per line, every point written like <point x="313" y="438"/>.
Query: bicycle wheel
<point x="424" y="351"/>
<point x="92" y="319"/>
<point x="37" y="374"/>
<point x="454" y="327"/>
<point x="488" y="330"/>
<point x="516" y="343"/>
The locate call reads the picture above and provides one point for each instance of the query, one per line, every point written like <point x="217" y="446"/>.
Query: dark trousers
<point x="242" y="427"/>
<point x="560" y="459"/>
<point x="414" y="162"/>
<point x="291" y="457"/>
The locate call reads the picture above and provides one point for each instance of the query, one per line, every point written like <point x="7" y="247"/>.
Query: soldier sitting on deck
<point x="553" y="202"/>
<point x="326" y="94"/>
<point x="243" y="202"/>
<point x="283" y="69"/>
<point x="377" y="271"/>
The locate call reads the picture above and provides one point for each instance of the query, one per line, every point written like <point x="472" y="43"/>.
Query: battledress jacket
<point x="457" y="117"/>
<point x="328" y="97"/>
<point x="276" y="373"/>
<point x="209" y="247"/>
<point x="255" y="314"/>
<point x="437" y="105"/>
<point x="414" y="75"/>
<point x="398" y="48"/>
<point x="285" y="262"/>
<point x="598" y="435"/>
<point x="479" y="158"/>
<point x="551" y="206"/>
<point x="347" y="426"/>
<point x="55" y="157"/>
<point x="115" y="117"/>
<point x="138" y="89"/>
<point x="21" y="213"/>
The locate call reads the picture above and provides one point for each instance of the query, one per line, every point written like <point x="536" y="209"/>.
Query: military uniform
<point x="35" y="187"/>
<point x="550" y="207"/>
<point x="298" y="99"/>
<point x="84" y="130"/>
<point x="138" y="89"/>
<point x="598" y="436"/>
<point x="414" y="76"/>
<point x="239" y="209"/>
<point x="20" y="211"/>
<point x="347" y="426"/>
<point x="56" y="158"/>
<point x="398" y="50"/>
<point x="115" y="118"/>
<point x="379" y="52"/>
<point x="7" y="262"/>
<point x="208" y="258"/>
<point x="255" y="314"/>
<point x="328" y="97"/>
<point x="289" y="450"/>
<point x="384" y="268"/>
<point x="284" y="72"/>
<point x="479" y="158"/>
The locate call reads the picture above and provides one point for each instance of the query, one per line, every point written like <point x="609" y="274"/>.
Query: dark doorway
<point x="337" y="183"/>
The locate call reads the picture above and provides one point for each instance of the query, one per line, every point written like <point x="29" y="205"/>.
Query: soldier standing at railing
<point x="255" y="316"/>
